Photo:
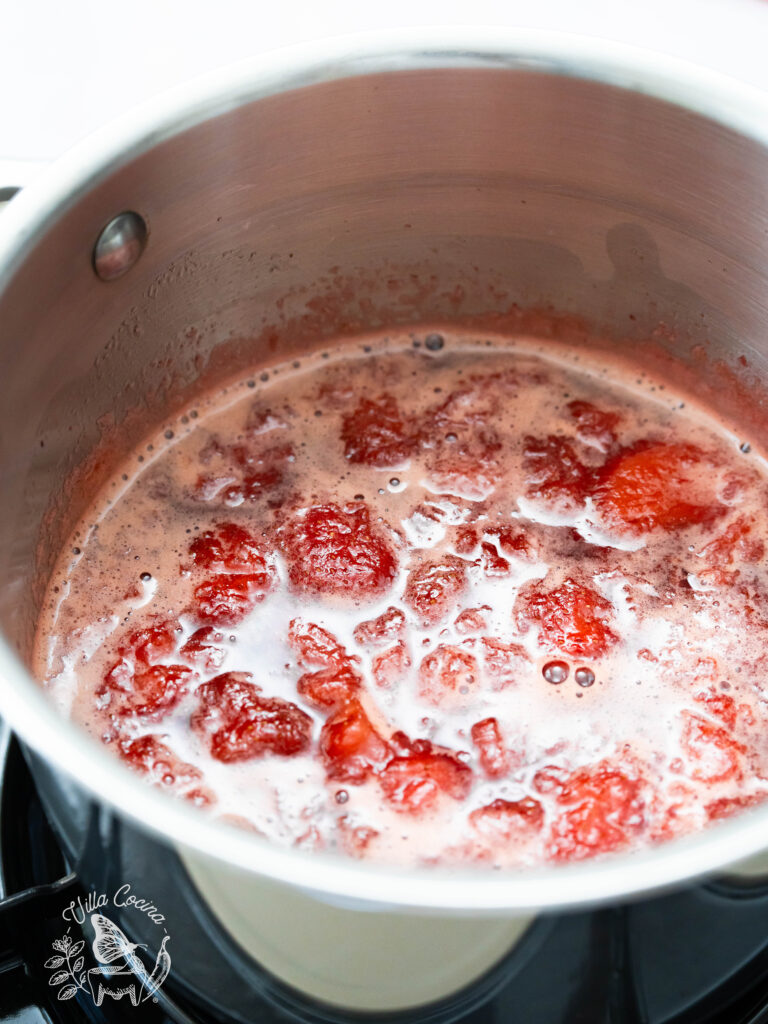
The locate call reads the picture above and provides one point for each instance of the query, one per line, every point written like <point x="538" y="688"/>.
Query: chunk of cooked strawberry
<point x="413" y="782"/>
<point x="329" y="687"/>
<point x="315" y="646"/>
<point x="335" y="679"/>
<point x="494" y="757"/>
<point x="512" y="540"/>
<point x="434" y="589"/>
<point x="449" y="676"/>
<point x="572" y="618"/>
<point x="554" y="471"/>
<point x="350" y="745"/>
<point x="713" y="754"/>
<point x="355" y="838"/>
<point x="727" y="806"/>
<point x="390" y="666"/>
<point x="335" y="550"/>
<point x="492" y="562"/>
<point x="508" y="820"/>
<point x="468" y="469"/>
<point x="155" y="690"/>
<point x="466" y="540"/>
<point x="471" y="620"/>
<point x="594" y="426"/>
<point x="239" y="724"/>
<point x="656" y="485"/>
<point x="375" y="434"/>
<point x="203" y="650"/>
<point x="388" y="626"/>
<point x="736" y="544"/>
<point x="153" y="643"/>
<point x="149" y="755"/>
<point x="228" y="548"/>
<point x="605" y="810"/>
<point x="720" y="705"/>
<point x="226" y="599"/>
<point x="504" y="662"/>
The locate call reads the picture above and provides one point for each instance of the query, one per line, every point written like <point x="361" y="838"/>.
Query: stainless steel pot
<point x="336" y="189"/>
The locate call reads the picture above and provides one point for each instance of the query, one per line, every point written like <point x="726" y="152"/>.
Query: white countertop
<point x="66" y="68"/>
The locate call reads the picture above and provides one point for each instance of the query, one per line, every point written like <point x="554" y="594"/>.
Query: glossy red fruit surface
<point x="572" y="618"/>
<point x="238" y="723"/>
<point x="375" y="434"/>
<point x="336" y="549"/>
<point x="350" y="745"/>
<point x="434" y="588"/>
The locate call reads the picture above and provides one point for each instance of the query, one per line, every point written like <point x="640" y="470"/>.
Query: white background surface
<point x="68" y="66"/>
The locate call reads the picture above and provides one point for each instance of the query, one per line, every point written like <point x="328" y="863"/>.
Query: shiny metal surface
<point x="340" y="189"/>
<point x="119" y="245"/>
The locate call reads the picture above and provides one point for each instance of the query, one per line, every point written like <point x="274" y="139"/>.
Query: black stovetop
<point x="699" y="956"/>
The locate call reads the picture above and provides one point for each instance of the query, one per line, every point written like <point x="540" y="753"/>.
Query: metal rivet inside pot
<point x="119" y="245"/>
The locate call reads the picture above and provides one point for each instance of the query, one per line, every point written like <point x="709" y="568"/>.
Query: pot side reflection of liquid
<point x="430" y="599"/>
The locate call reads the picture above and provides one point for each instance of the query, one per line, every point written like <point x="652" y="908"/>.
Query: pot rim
<point x="33" y="717"/>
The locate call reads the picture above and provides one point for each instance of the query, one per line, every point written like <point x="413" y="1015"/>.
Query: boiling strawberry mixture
<point x="430" y="600"/>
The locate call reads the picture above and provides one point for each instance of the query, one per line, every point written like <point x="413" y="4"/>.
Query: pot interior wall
<point x="352" y="204"/>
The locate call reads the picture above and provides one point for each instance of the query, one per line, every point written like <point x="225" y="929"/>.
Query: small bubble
<point x="434" y="342"/>
<point x="584" y="676"/>
<point x="125" y="476"/>
<point x="394" y="482"/>
<point x="451" y="438"/>
<point x="296" y="364"/>
<point x="75" y="551"/>
<point x="168" y="435"/>
<point x="250" y="383"/>
<point x="140" y="458"/>
<point x="416" y="343"/>
<point x="745" y="447"/>
<point x="359" y="497"/>
<point x="341" y="796"/>
<point x="193" y="414"/>
<point x="381" y="490"/>
<point x="264" y="376"/>
<point x="318" y="412"/>
<point x="185" y="419"/>
<point x="555" y="672"/>
<point x="145" y="577"/>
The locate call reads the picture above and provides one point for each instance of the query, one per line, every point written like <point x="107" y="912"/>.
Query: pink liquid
<point x="575" y="597"/>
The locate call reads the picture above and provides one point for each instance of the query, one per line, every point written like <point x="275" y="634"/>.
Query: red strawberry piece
<point x="504" y="662"/>
<point x="202" y="649"/>
<point x="719" y="705"/>
<point x="238" y="723"/>
<point x="350" y="745"/>
<point x="355" y="838"/>
<point x="148" y="754"/>
<point x="605" y="810"/>
<point x="388" y="626"/>
<point x="228" y="548"/>
<point x="713" y="754"/>
<point x="494" y="757"/>
<point x="736" y="544"/>
<point x="414" y="782"/>
<point x="434" y="589"/>
<point x="375" y="434"/>
<point x="727" y="806"/>
<point x="329" y="687"/>
<point x="654" y="485"/>
<point x="449" y="676"/>
<point x="335" y="550"/>
<point x="225" y="600"/>
<point x="594" y="426"/>
<point x="492" y="562"/>
<point x="507" y="820"/>
<point x="572" y="618"/>
<point x="389" y="667"/>
<point x="471" y="620"/>
<point x="554" y="471"/>
<point x="315" y="646"/>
